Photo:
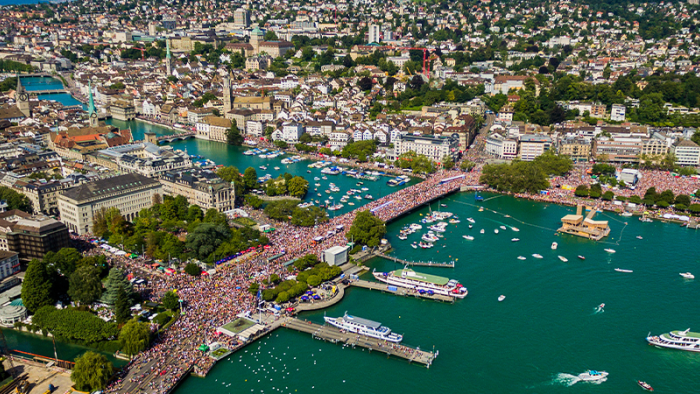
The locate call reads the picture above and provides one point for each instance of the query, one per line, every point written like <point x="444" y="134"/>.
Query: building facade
<point x="31" y="236"/>
<point x="201" y="188"/>
<point x="434" y="148"/>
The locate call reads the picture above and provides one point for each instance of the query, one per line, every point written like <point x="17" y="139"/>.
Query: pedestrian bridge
<point x="176" y="137"/>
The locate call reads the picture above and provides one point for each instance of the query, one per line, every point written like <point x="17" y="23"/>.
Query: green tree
<point x="206" y="238"/>
<point x="91" y="372"/>
<point x="366" y="229"/>
<point x="582" y="191"/>
<point x="250" y="178"/>
<point x="234" y="136"/>
<point x="135" y="337"/>
<point x="298" y="187"/>
<point x="85" y="285"/>
<point x="313" y="280"/>
<point x="608" y="196"/>
<point x="307" y="217"/>
<point x="122" y="306"/>
<point x="170" y="301"/>
<point x="254" y="201"/>
<point x="467" y="165"/>
<point x="596" y="191"/>
<point x="193" y="269"/>
<point x="36" y="287"/>
<point x="115" y="281"/>
<point x="682" y="199"/>
<point x="448" y="163"/>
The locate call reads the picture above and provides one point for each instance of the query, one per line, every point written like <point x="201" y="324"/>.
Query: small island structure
<point x="584" y="227"/>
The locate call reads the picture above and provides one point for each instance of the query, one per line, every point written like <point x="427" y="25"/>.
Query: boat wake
<point x="568" y="380"/>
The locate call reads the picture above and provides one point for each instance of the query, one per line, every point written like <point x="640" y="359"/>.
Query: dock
<point x="332" y="334"/>
<point x="451" y="264"/>
<point x="384" y="288"/>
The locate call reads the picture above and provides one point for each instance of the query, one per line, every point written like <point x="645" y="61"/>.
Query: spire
<point x="20" y="88"/>
<point x="91" y="104"/>
<point x="167" y="48"/>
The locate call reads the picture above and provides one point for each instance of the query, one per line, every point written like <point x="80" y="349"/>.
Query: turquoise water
<point x="43" y="83"/>
<point x="546" y="331"/>
<point x="63" y="98"/>
<point x="37" y="344"/>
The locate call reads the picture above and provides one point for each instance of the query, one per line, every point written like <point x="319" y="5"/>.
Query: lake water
<point x="544" y="333"/>
<point x="44" y="83"/>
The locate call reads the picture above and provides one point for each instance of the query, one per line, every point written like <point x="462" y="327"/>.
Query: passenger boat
<point x="468" y="237"/>
<point x="623" y="270"/>
<point x="364" y="327"/>
<point x="564" y="259"/>
<point x="646" y="386"/>
<point x="610" y="250"/>
<point x="554" y="245"/>
<point x="411" y="279"/>
<point x="681" y="340"/>
<point x="687" y="275"/>
<point x="501" y="298"/>
<point x="537" y="256"/>
<point x="592" y="376"/>
<point x="515" y="239"/>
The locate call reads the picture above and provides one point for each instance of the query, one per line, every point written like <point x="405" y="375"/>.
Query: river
<point x="544" y="333"/>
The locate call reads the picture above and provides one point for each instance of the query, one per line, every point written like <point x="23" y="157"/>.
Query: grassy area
<point x="219" y="352"/>
<point x="245" y="221"/>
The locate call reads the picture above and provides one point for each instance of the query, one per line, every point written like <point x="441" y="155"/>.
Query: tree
<point x="608" y="196"/>
<point x="122" y="306"/>
<point x="696" y="137"/>
<point x="596" y="191"/>
<point x="447" y="162"/>
<point x="298" y="187"/>
<point x="85" y="285"/>
<point x="193" y="269"/>
<point x="99" y="223"/>
<point x="170" y="301"/>
<point x="135" y="337"/>
<point x="307" y="217"/>
<point x="694" y="208"/>
<point x="313" y="280"/>
<point x="270" y="36"/>
<point x="116" y="281"/>
<point x="91" y="372"/>
<point x="683" y="199"/>
<point x="254" y="201"/>
<point x="467" y="165"/>
<point x="365" y="83"/>
<point x="36" y="287"/>
<point x="234" y="136"/>
<point x="366" y="229"/>
<point x="581" y="191"/>
<point x="206" y="238"/>
<point x="250" y="178"/>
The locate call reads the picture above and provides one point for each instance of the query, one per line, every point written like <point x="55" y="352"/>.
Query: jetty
<point x="334" y="335"/>
<point x="451" y="264"/>
<point x="402" y="291"/>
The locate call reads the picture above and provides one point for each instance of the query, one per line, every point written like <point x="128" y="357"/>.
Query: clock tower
<point x="92" y="113"/>
<point x="22" y="99"/>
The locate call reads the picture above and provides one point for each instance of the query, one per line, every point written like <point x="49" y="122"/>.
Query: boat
<point x="325" y="178"/>
<point x="276" y="168"/>
<point x="687" y="275"/>
<point x="581" y="257"/>
<point x="262" y="168"/>
<point x="415" y="226"/>
<point x="437" y="227"/>
<point x="639" y="237"/>
<point x="601" y="306"/>
<point x="564" y="259"/>
<point x="681" y="340"/>
<point x="623" y="270"/>
<point x="468" y="237"/>
<point x="430" y="237"/>
<point x="398" y="181"/>
<point x="454" y="221"/>
<point x="592" y="376"/>
<point x="335" y="207"/>
<point x="470" y="226"/>
<point x="482" y="231"/>
<point x="364" y="327"/>
<point x="626" y="214"/>
<point x="515" y="239"/>
<point x="425" y="245"/>
<point x="470" y="220"/>
<point x="414" y="245"/>
<point x="351" y="203"/>
<point x="610" y="250"/>
<point x="521" y="257"/>
<point x="368" y="197"/>
<point x="646" y="386"/>
<point x="495" y="231"/>
<point x="501" y="298"/>
<point x="443" y="205"/>
<point x="515" y="229"/>
<point x="402" y="237"/>
<point x="554" y="245"/>
<point x="645" y="220"/>
<point x="481" y="209"/>
<point x="411" y="279"/>
<point x="364" y="189"/>
<point x="331" y="171"/>
<point x="503" y="228"/>
<point x="537" y="256"/>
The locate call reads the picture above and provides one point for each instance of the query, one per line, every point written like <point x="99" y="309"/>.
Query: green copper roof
<point x="91" y="104"/>
<point x="411" y="274"/>
<point x="167" y="47"/>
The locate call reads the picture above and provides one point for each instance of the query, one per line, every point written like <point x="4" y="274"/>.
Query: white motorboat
<point x="482" y="231"/>
<point x="503" y="228"/>
<point x="592" y="376"/>
<point x="414" y="245"/>
<point x="501" y="298"/>
<point x="537" y="256"/>
<point x="430" y="237"/>
<point x="402" y="237"/>
<point x="415" y="226"/>
<point x="687" y="275"/>
<point x="562" y="258"/>
<point x="521" y="257"/>
<point x="495" y="231"/>
<point x="470" y="226"/>
<point x="623" y="270"/>
<point x="639" y="237"/>
<point x="468" y="237"/>
<point x="277" y="168"/>
<point x="515" y="239"/>
<point x="470" y="220"/>
<point x="610" y="250"/>
<point x="554" y="245"/>
<point x="515" y="229"/>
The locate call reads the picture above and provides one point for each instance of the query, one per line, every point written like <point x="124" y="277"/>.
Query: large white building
<point x="433" y="147"/>
<point x="374" y="32"/>
<point x="533" y="145"/>
<point x="501" y="147"/>
<point x="687" y="153"/>
<point x="617" y="113"/>
<point x="130" y="193"/>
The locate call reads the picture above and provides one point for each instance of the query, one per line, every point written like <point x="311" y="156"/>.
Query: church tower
<point x="256" y="36"/>
<point x="22" y="99"/>
<point x="227" y="93"/>
<point x="168" y="59"/>
<point x="92" y="113"/>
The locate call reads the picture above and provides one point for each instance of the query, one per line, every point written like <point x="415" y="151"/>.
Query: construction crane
<point x="426" y="72"/>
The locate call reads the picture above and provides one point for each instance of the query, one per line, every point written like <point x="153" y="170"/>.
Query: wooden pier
<point x="451" y="264"/>
<point x="332" y="334"/>
<point x="402" y="291"/>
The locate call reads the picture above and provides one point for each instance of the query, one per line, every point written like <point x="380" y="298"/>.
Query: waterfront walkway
<point x="451" y="264"/>
<point x="384" y="288"/>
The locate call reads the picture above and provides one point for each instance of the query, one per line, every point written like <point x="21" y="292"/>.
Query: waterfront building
<point x="687" y="152"/>
<point x="130" y="193"/>
<point x="584" y="227"/>
<point x="434" y="148"/>
<point x="201" y="187"/>
<point x="31" y="236"/>
<point x="618" y="149"/>
<point x="533" y="145"/>
<point x="76" y="143"/>
<point x="500" y="146"/>
<point x="213" y="128"/>
<point x="122" y="110"/>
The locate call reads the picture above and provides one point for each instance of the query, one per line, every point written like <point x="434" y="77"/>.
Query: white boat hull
<point x="391" y="280"/>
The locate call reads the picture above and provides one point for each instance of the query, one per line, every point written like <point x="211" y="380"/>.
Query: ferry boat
<point x="411" y="279"/>
<point x="364" y="327"/>
<point x="681" y="340"/>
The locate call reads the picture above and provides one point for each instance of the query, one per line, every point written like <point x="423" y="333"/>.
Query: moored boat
<point x="364" y="327"/>
<point x="411" y="279"/>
